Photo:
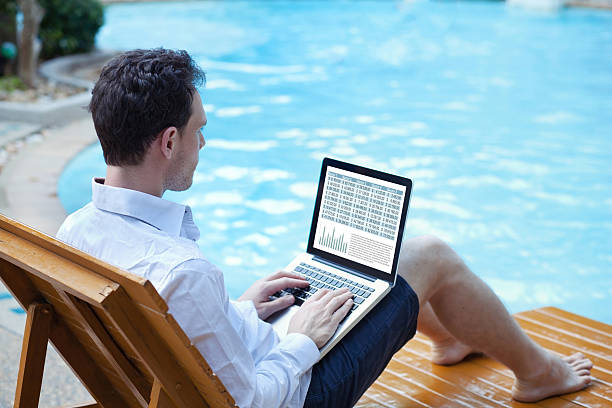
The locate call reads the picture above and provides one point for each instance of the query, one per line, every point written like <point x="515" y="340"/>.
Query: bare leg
<point x="469" y="310"/>
<point x="445" y="348"/>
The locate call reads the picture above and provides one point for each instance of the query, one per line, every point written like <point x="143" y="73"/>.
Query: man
<point x="149" y="118"/>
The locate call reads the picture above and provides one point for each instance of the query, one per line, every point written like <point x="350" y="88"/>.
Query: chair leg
<point x="159" y="398"/>
<point x="33" y="353"/>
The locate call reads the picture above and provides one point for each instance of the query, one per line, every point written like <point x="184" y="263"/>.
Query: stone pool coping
<point x="28" y="183"/>
<point x="60" y="111"/>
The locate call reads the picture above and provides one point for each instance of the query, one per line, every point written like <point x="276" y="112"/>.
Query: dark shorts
<point x="346" y="372"/>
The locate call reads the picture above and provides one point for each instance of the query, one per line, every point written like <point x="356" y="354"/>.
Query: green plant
<point x="69" y="26"/>
<point x="8" y="11"/>
<point x="11" y="83"/>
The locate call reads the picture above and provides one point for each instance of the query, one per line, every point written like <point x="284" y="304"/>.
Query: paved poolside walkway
<point x="28" y="181"/>
<point x="28" y="194"/>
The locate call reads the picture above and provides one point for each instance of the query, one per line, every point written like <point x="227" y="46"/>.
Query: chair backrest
<point x="110" y="326"/>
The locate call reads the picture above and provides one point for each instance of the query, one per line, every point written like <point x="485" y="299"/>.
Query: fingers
<point x="342" y="311"/>
<point x="284" y="283"/>
<point x="281" y="303"/>
<point x="284" y="274"/>
<point x="318" y="295"/>
<point x="338" y="300"/>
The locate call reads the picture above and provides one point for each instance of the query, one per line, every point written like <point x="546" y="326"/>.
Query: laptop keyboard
<point x="322" y="279"/>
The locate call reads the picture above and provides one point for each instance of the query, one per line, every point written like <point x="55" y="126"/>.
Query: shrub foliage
<point x="69" y="26"/>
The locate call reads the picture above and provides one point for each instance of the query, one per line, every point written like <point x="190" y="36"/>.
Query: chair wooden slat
<point x="55" y="270"/>
<point x="86" y="369"/>
<point x="139" y="289"/>
<point x="153" y="351"/>
<point x="99" y="326"/>
<point x="108" y="348"/>
<point x="20" y="285"/>
<point x="114" y="331"/>
<point x="34" y="351"/>
<point x="159" y="398"/>
<point x="121" y="341"/>
<point x="189" y="357"/>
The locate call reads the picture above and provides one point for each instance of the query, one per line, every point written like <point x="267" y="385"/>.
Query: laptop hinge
<point x="344" y="268"/>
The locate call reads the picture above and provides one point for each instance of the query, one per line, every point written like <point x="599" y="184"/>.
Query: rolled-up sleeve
<point x="257" y="368"/>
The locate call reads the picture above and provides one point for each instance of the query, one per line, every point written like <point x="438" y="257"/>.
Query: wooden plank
<point x="159" y="398"/>
<point x="571" y="339"/>
<point x="71" y="351"/>
<point x="601" y="365"/>
<point x="131" y="379"/>
<point x="190" y="359"/>
<point x="595" y="395"/>
<point x="76" y="325"/>
<point x="571" y="326"/>
<point x="382" y="391"/>
<point x="152" y="350"/>
<point x="139" y="289"/>
<point x="452" y="391"/>
<point x="576" y="319"/>
<point x="33" y="353"/>
<point x="469" y="377"/>
<point x="378" y="397"/>
<point x="124" y="344"/>
<point x="85" y="368"/>
<point x="58" y="271"/>
<point x="490" y="373"/>
<point x="19" y="285"/>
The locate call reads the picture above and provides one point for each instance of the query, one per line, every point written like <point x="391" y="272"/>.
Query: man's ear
<point x="168" y="139"/>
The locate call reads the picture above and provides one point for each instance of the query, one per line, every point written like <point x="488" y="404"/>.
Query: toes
<point x="582" y="365"/>
<point x="574" y="357"/>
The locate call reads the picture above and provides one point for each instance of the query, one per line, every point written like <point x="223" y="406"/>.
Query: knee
<point x="434" y="252"/>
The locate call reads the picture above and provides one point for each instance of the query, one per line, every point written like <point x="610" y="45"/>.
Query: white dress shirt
<point x="155" y="238"/>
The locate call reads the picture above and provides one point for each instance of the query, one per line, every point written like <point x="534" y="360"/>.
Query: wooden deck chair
<point x="114" y="331"/>
<point x="111" y="327"/>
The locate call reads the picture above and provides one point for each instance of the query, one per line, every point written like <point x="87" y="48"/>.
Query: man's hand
<point x="320" y="315"/>
<point x="261" y="290"/>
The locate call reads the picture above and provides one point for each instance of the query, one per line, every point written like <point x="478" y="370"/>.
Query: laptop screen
<point x="359" y="218"/>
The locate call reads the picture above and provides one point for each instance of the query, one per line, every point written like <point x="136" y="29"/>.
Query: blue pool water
<point x="502" y="118"/>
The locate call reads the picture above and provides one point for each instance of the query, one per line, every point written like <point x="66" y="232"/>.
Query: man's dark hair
<point x="139" y="94"/>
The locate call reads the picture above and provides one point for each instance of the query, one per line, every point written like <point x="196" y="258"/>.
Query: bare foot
<point x="562" y="376"/>
<point x="449" y="352"/>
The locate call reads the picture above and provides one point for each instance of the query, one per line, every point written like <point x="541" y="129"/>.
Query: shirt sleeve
<point x="257" y="368"/>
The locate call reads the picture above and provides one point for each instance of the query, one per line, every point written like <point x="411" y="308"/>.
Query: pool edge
<point x="30" y="178"/>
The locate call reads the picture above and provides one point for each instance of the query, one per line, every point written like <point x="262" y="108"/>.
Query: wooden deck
<point x="410" y="380"/>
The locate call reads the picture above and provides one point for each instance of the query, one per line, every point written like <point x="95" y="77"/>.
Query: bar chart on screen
<point x="333" y="240"/>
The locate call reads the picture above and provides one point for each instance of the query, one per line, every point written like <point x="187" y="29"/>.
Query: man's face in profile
<point x="189" y="142"/>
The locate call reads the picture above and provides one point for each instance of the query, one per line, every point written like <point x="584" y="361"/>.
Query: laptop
<point x="355" y="239"/>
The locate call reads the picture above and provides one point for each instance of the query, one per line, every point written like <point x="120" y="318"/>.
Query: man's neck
<point x="135" y="178"/>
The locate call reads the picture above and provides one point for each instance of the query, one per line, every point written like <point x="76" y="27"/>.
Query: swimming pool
<point x="502" y="118"/>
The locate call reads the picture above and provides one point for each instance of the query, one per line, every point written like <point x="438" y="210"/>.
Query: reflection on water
<point x="500" y="117"/>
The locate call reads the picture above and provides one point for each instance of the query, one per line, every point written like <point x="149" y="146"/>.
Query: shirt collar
<point x="164" y="215"/>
